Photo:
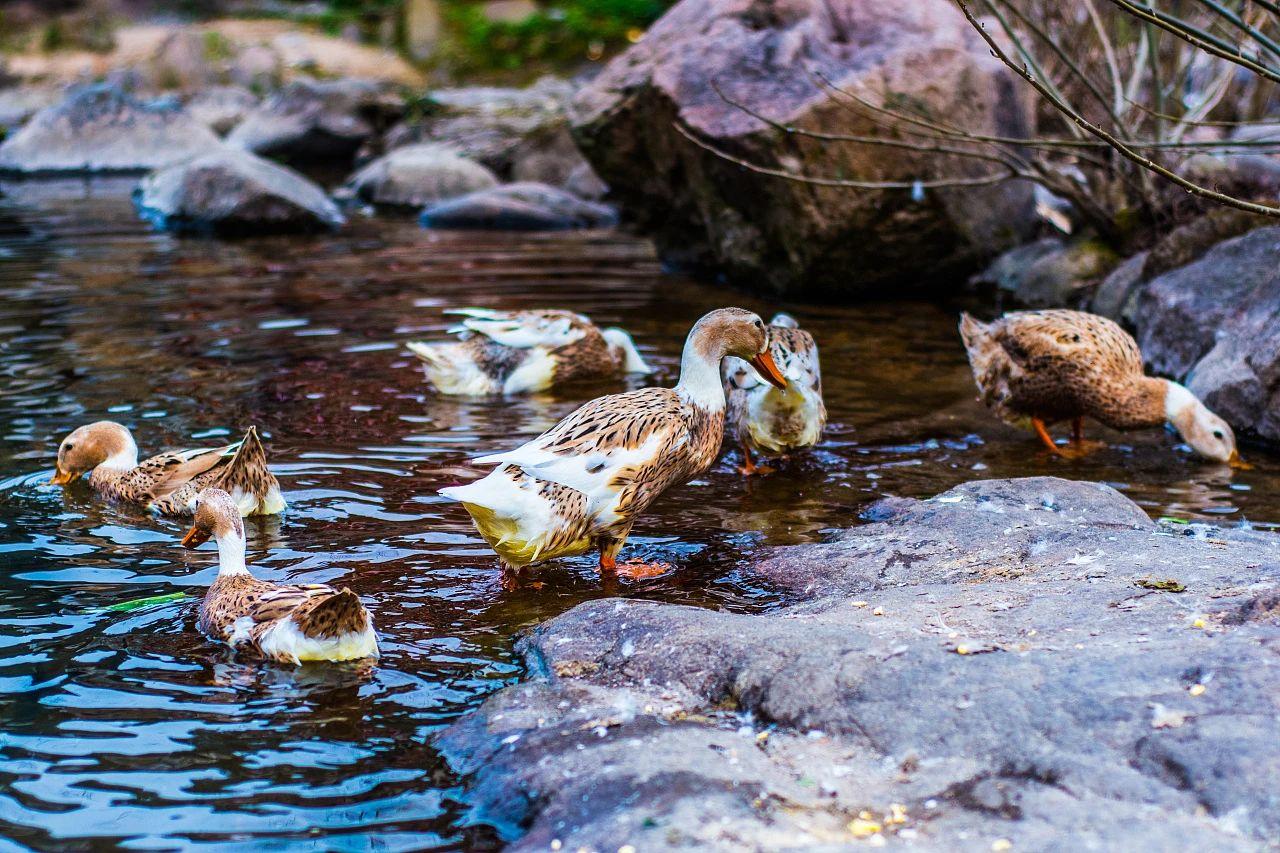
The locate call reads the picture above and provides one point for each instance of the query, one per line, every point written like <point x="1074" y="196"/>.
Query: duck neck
<point x="125" y="457"/>
<point x="700" y="381"/>
<point x="231" y="550"/>
<point x="1147" y="404"/>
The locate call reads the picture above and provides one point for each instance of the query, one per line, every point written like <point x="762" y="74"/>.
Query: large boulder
<point x="1004" y="666"/>
<point x="784" y="236"/>
<point x="418" y="175"/>
<point x="221" y="108"/>
<point x="1216" y="323"/>
<point x="311" y="120"/>
<point x="100" y="128"/>
<point x="519" y="207"/>
<point x="232" y="192"/>
<point x="1050" y="273"/>
<point x="19" y="102"/>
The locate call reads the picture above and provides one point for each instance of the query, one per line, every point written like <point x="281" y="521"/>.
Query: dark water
<point x="130" y="727"/>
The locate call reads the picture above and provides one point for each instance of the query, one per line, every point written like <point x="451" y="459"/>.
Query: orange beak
<point x="195" y="538"/>
<point x="1239" y="464"/>
<point x="61" y="478"/>
<point x="764" y="365"/>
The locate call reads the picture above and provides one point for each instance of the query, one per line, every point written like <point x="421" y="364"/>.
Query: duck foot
<point x="637" y="570"/>
<point x="751" y="470"/>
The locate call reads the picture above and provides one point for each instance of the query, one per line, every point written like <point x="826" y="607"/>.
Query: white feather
<point x="285" y="639"/>
<point x="535" y="373"/>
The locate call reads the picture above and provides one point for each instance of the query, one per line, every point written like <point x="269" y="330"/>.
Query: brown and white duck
<point x="769" y="420"/>
<point x="290" y="623"/>
<point x="520" y="352"/>
<point x="580" y="485"/>
<point x="168" y="482"/>
<point x="1039" y="367"/>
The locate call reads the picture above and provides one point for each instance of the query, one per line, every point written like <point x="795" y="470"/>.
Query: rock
<point x="553" y="158"/>
<point x="494" y="126"/>
<point x="257" y="67"/>
<point x="185" y="61"/>
<point x="232" y="192"/>
<point x="519" y="207"/>
<point x="221" y="108"/>
<point x="20" y="102"/>
<point x="417" y="175"/>
<point x="1213" y="324"/>
<point x="585" y="183"/>
<point x="1050" y="273"/>
<point x="101" y="129"/>
<point x="1117" y="295"/>
<point x="316" y="120"/>
<point x="783" y="236"/>
<point x="997" y="662"/>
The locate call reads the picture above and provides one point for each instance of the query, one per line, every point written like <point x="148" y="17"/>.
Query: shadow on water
<point x="130" y="726"/>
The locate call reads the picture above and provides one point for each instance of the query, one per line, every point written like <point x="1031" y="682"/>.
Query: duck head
<point x="216" y="516"/>
<point x="101" y="443"/>
<point x="736" y="332"/>
<point x="1208" y="434"/>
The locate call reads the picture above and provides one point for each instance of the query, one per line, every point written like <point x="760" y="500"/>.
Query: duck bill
<point x="1239" y="464"/>
<point x="768" y="370"/>
<point x="195" y="538"/>
<point x="61" y="478"/>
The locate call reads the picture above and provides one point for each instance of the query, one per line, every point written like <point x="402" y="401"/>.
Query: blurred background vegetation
<point x="474" y="38"/>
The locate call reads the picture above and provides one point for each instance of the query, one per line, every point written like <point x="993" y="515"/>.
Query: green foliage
<point x="563" y="32"/>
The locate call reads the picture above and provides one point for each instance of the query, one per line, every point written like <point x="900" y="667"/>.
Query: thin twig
<point x="1195" y="37"/>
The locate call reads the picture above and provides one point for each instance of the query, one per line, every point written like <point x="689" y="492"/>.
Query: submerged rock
<point x="232" y="192"/>
<point x="417" y="175"/>
<point x="100" y="128"/>
<point x="520" y="207"/>
<point x="783" y="236"/>
<point x="309" y="120"/>
<point x="998" y="663"/>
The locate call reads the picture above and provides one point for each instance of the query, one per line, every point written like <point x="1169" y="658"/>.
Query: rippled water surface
<point x="129" y="726"/>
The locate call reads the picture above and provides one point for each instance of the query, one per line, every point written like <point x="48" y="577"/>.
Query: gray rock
<point x="1050" y="273"/>
<point x="231" y="192"/>
<point x="309" y="120"/>
<point x="417" y="175"/>
<point x="102" y="129"/>
<point x="501" y="128"/>
<point x="1117" y="295"/>
<point x="786" y="237"/>
<point x="221" y="108"/>
<point x="519" y="207"/>
<point x="998" y="662"/>
<point x="19" y="103"/>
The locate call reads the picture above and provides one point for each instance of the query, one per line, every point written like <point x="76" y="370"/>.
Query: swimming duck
<point x="168" y="482"/>
<point x="290" y="623"/>
<point x="517" y="352"/>
<point x="581" y="484"/>
<point x="1048" y="366"/>
<point x="767" y="419"/>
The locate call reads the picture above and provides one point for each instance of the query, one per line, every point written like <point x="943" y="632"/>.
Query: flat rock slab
<point x="524" y="206"/>
<point x="100" y="128"/>
<point x="231" y="192"/>
<point x="1009" y="661"/>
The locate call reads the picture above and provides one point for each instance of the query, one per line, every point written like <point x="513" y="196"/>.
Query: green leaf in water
<point x="1169" y="519"/>
<point x="139" y="603"/>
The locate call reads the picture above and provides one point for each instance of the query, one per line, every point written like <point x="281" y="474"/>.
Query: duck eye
<point x="1217" y="433"/>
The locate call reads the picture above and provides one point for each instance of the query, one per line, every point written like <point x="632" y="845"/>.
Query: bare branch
<point x="1196" y="37"/>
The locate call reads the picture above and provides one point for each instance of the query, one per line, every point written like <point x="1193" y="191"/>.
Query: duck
<point x="524" y="352"/>
<point x="1036" y="368"/>
<point x="769" y="420"/>
<point x="168" y="483"/>
<point x="581" y="484"/>
<point x="288" y="623"/>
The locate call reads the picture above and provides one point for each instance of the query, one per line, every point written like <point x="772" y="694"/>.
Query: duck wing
<point x="549" y="329"/>
<point x="163" y="474"/>
<point x="607" y="444"/>
<point x="1070" y="341"/>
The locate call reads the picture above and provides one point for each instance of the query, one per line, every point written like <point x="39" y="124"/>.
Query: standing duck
<point x="518" y="352"/>
<point x="772" y="420"/>
<point x="290" y="623"/>
<point x="169" y="482"/>
<point x="581" y="484"/>
<point x="1049" y="366"/>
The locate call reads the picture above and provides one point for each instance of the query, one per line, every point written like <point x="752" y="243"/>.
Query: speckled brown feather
<point x="319" y="611"/>
<point x="1060" y="364"/>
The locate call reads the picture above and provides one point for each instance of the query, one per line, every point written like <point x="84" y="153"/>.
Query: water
<point x="131" y="727"/>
